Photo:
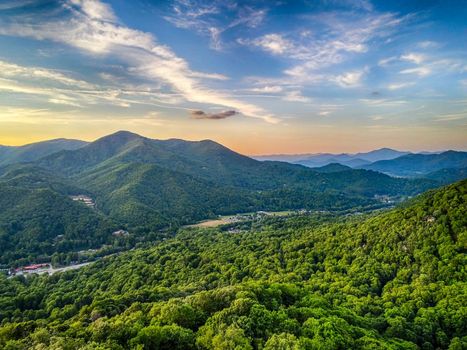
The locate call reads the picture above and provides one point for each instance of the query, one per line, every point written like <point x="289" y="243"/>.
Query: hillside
<point x="155" y="183"/>
<point x="332" y="168"/>
<point x="390" y="281"/>
<point x="36" y="223"/>
<point x="447" y="176"/>
<point x="35" y="151"/>
<point x="420" y="164"/>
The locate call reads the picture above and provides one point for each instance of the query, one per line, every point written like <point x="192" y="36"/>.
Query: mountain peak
<point x="124" y="134"/>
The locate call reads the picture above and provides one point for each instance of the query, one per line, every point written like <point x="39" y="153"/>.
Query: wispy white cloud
<point x="397" y="86"/>
<point x="296" y="96"/>
<point x="41" y="116"/>
<point x="268" y="89"/>
<point x="451" y="117"/>
<point x="90" y="26"/>
<point x="8" y="69"/>
<point x="95" y="9"/>
<point x="12" y="4"/>
<point x="420" y="71"/>
<point x="428" y="44"/>
<point x="413" y="57"/>
<point x="386" y="61"/>
<point x="341" y="36"/>
<point x="382" y="102"/>
<point x="203" y="17"/>
<point x="350" y="79"/>
<point x="273" y="43"/>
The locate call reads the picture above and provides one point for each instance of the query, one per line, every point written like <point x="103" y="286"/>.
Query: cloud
<point x="213" y="19"/>
<point x="414" y="58"/>
<point x="268" y="89"/>
<point x="198" y="114"/>
<point x="295" y="96"/>
<point x="451" y="117"/>
<point x="386" y="61"/>
<point x="420" y="71"/>
<point x="397" y="86"/>
<point x="91" y="27"/>
<point x="382" y="102"/>
<point x="95" y="9"/>
<point x="8" y="69"/>
<point x="342" y="37"/>
<point x="273" y="43"/>
<point x="14" y="4"/>
<point x="350" y="79"/>
<point x="335" y="37"/>
<point x="428" y="44"/>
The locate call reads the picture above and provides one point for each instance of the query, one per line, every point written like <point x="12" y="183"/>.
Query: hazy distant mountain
<point x="34" y="151"/>
<point x="289" y="158"/>
<point x="380" y="154"/>
<point x="352" y="160"/>
<point x="420" y="164"/>
<point x="332" y="168"/>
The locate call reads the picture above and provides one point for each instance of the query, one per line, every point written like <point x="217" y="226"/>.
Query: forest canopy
<point x="394" y="280"/>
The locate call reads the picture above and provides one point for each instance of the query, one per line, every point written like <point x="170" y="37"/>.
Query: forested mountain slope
<point x="35" y="223"/>
<point x="419" y="164"/>
<point x="38" y="218"/>
<point x="205" y="160"/>
<point x="34" y="151"/>
<point x="395" y="280"/>
<point x="447" y="176"/>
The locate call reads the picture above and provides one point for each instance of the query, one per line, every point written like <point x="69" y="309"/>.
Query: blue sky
<point x="258" y="76"/>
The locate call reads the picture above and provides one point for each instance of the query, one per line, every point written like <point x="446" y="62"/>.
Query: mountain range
<point x="452" y="164"/>
<point x="420" y="164"/>
<point x="351" y="160"/>
<point x="147" y="185"/>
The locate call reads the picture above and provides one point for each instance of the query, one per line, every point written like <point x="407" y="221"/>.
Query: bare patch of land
<point x="232" y="219"/>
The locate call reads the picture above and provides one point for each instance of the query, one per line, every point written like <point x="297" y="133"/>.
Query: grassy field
<point x="229" y="219"/>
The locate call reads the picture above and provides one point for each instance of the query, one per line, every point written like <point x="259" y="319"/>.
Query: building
<point x="84" y="199"/>
<point x="120" y="233"/>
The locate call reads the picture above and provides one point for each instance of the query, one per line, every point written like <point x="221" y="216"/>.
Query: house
<point x="120" y="233"/>
<point x="34" y="267"/>
<point x="84" y="199"/>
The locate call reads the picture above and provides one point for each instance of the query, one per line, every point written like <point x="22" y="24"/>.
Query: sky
<point x="260" y="77"/>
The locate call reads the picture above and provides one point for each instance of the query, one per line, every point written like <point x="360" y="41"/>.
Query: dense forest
<point x="393" y="280"/>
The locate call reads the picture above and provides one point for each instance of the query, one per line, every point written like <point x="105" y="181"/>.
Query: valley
<point x="286" y="277"/>
<point x="233" y="175"/>
<point x="150" y="188"/>
<point x="130" y="242"/>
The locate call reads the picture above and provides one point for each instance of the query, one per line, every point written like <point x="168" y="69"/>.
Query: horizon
<point x="249" y="155"/>
<point x="289" y="78"/>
